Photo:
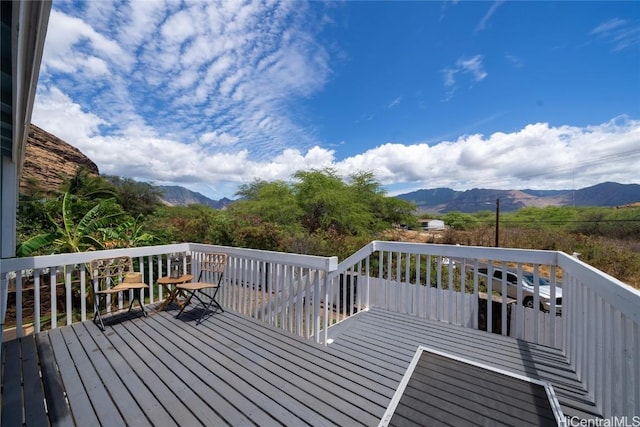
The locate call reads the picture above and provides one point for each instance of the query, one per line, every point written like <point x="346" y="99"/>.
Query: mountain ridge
<point x="175" y="195"/>
<point x="606" y="194"/>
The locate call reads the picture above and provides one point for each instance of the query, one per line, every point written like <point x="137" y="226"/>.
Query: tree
<point x="87" y="186"/>
<point x="270" y="201"/>
<point x="136" y="198"/>
<point x="460" y="220"/>
<point x="328" y="203"/>
<point x="68" y="235"/>
<point x="386" y="211"/>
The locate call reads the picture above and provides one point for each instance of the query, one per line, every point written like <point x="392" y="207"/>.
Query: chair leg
<point x="144" y="312"/>
<point x="186" y="303"/>
<point x="207" y="306"/>
<point x="96" y="313"/>
<point x="215" y="294"/>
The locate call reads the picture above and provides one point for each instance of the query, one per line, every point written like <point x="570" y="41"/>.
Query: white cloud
<point x="471" y="66"/>
<point x="66" y="51"/>
<point x="395" y="102"/>
<point x="515" y="60"/>
<point x="567" y="157"/>
<point x="485" y="19"/>
<point x="621" y="33"/>
<point x="164" y="65"/>
<point x="215" y="138"/>
<point x="56" y="113"/>
<point x="609" y="25"/>
<point x="537" y="156"/>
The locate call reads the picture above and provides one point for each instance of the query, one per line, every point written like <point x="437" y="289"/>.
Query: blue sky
<point x="211" y="95"/>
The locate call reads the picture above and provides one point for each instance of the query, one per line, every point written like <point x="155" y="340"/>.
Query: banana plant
<point x="68" y="236"/>
<point x="129" y="234"/>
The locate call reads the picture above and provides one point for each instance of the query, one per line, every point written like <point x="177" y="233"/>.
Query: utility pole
<point x="497" y="222"/>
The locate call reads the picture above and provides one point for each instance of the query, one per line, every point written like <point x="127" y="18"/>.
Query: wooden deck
<point x="389" y="341"/>
<point x="232" y="370"/>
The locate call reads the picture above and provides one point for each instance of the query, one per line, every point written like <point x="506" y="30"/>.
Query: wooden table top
<point x="168" y="280"/>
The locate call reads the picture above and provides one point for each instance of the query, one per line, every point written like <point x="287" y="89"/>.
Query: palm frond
<point x="35" y="243"/>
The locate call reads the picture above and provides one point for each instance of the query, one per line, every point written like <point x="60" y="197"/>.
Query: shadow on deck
<point x="233" y="370"/>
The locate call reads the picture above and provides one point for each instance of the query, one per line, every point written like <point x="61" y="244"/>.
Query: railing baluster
<point x="283" y="301"/>
<point x="450" y="291"/>
<point x="536" y="304"/>
<point x="367" y="283"/>
<point x="83" y="293"/>
<point x="503" y="298"/>
<point x="36" y="300"/>
<point x="298" y="308"/>
<point x="52" y="294"/>
<point x="408" y="306"/>
<point x="628" y="400"/>
<point x="67" y="281"/>
<point x="490" y="296"/>
<point x="427" y="284"/>
<point x="608" y="361"/>
<point x="18" y="280"/>
<point x="552" y="312"/>
<point x="439" y="310"/>
<point x="159" y="275"/>
<point x="591" y="353"/>
<point x="463" y="293"/>
<point x="476" y="279"/>
<point x="600" y="348"/>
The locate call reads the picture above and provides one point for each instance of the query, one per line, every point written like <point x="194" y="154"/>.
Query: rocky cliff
<point x="49" y="160"/>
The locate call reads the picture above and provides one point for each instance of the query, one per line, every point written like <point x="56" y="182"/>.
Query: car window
<point x="541" y="281"/>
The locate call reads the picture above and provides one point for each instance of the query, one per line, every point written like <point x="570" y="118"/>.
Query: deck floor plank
<point x="57" y="404"/>
<point x="12" y="403"/>
<point x="34" y="409"/>
<point x="79" y="402"/>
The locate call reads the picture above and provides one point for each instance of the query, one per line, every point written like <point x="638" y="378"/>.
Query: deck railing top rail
<point x="616" y="293"/>
<point x="44" y="261"/>
<point x="532" y="256"/>
<point x="296" y="260"/>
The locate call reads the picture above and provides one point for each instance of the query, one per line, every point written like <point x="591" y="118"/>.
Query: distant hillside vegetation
<point x="442" y="200"/>
<point x="179" y="196"/>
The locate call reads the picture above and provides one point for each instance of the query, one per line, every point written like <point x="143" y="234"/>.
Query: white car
<point x="528" y="289"/>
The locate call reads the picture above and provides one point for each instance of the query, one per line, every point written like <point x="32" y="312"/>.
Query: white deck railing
<point x="252" y="280"/>
<point x="598" y="329"/>
<point x="597" y="326"/>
